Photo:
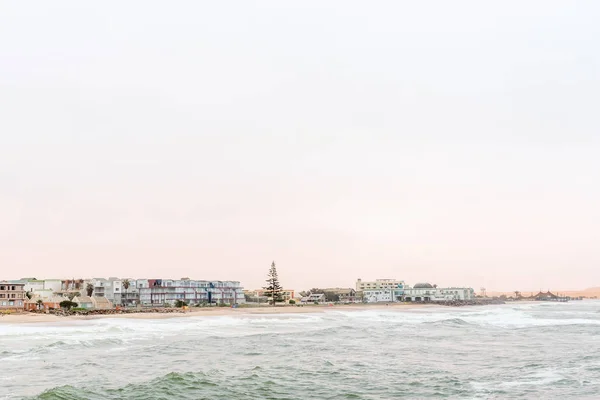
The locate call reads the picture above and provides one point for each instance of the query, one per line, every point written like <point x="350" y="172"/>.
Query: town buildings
<point x="392" y="290"/>
<point x="286" y="294"/>
<point x="101" y="293"/>
<point x="427" y="292"/>
<point x="12" y="296"/>
<point x="168" y="291"/>
<point x="93" y="302"/>
<point x="314" y="298"/>
<point x="43" y="303"/>
<point x="378" y="284"/>
<point x="343" y="295"/>
<point x="43" y="288"/>
<point x="110" y="288"/>
<point x="380" y="290"/>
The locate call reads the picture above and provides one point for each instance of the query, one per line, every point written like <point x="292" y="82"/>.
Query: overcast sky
<point x="450" y="142"/>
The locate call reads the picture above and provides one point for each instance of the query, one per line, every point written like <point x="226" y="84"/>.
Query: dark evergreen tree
<point x="273" y="290"/>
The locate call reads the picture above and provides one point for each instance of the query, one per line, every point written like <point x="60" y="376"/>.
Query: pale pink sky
<point x="426" y="141"/>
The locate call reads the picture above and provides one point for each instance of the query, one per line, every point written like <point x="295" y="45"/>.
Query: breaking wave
<point x="467" y="352"/>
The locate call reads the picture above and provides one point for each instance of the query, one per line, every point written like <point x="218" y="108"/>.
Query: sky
<point x="456" y="143"/>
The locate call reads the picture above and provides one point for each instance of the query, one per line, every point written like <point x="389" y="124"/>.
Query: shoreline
<point x="29" y="317"/>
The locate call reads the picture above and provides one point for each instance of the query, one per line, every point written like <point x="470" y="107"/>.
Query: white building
<point x="378" y="284"/>
<point x="42" y="288"/>
<point x="428" y="292"/>
<point x="381" y="290"/>
<point x="110" y="288"/>
<point x="314" y="298"/>
<point x="382" y="295"/>
<point x="168" y="291"/>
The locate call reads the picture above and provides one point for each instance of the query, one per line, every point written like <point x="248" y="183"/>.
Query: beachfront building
<point x="427" y="292"/>
<point x="71" y="287"/>
<point x="380" y="290"/>
<point x="37" y="303"/>
<point x="378" y="284"/>
<point x="383" y="295"/>
<point x="286" y="294"/>
<point x="113" y="289"/>
<point x="43" y="288"/>
<point x="109" y="288"/>
<point x="12" y="296"/>
<point x="130" y="296"/>
<point x="343" y="295"/>
<point x="93" y="302"/>
<point x="158" y="292"/>
<point x="314" y="298"/>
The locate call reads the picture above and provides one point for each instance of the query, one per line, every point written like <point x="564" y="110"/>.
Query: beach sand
<point x="27" y="317"/>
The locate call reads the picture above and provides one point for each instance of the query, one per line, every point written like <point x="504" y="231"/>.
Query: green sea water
<point x="513" y="351"/>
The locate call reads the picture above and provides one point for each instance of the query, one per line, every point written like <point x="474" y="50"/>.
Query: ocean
<point x="513" y="351"/>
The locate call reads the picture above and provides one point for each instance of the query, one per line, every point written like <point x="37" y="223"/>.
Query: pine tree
<point x="273" y="289"/>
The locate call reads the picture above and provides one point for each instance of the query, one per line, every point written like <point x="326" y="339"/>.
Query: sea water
<point x="519" y="350"/>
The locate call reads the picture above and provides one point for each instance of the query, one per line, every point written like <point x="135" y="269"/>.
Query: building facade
<point x="380" y="290"/>
<point x="110" y="288"/>
<point x="378" y="284"/>
<point x="158" y="292"/>
<point x="383" y="295"/>
<point x="427" y="292"/>
<point x="314" y="298"/>
<point x="12" y="296"/>
<point x="286" y="294"/>
<point x="343" y="295"/>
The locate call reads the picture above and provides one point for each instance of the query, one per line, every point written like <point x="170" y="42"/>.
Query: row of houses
<point x="387" y="291"/>
<point x="101" y="293"/>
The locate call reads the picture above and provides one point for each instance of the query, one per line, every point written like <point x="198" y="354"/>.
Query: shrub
<point x="292" y="301"/>
<point x="68" y="304"/>
<point x="180" y="303"/>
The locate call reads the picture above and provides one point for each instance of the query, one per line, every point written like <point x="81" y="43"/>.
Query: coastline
<point x="26" y="317"/>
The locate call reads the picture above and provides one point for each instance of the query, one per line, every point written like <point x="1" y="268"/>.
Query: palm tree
<point x="125" y="284"/>
<point x="89" y="288"/>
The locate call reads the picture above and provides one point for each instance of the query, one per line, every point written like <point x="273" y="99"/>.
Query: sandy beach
<point x="26" y="317"/>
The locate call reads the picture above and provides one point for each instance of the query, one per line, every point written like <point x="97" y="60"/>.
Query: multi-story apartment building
<point x="427" y="292"/>
<point x="110" y="288"/>
<point x="168" y="291"/>
<point x="71" y="287"/>
<point x="380" y="290"/>
<point x="12" y="295"/>
<point x="378" y="284"/>
<point x="42" y="288"/>
<point x="130" y="294"/>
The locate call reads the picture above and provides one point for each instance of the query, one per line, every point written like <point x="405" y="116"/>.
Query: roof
<point x="16" y="283"/>
<point x="340" y="290"/>
<point x="82" y="299"/>
<point x="423" y="286"/>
